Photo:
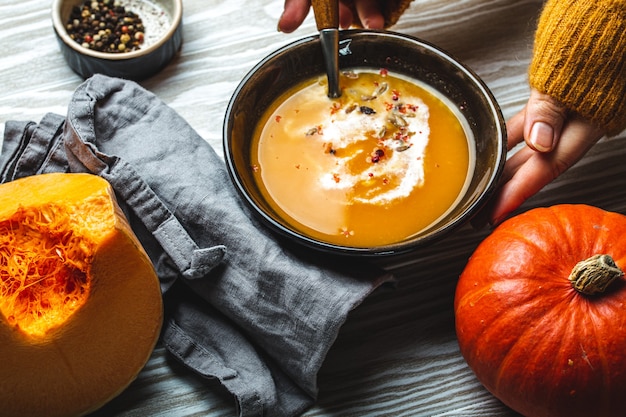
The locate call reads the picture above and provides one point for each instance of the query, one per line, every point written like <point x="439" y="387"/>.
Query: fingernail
<point x="542" y="136"/>
<point x="278" y="28"/>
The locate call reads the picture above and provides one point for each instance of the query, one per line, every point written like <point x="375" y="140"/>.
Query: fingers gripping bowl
<point x="390" y="82"/>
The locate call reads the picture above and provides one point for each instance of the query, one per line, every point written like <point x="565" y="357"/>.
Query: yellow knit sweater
<point x="579" y="57"/>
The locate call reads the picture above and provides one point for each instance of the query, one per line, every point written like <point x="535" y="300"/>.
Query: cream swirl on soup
<point x="400" y="133"/>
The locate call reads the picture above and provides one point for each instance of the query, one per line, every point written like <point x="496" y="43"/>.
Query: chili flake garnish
<point x="335" y="108"/>
<point x="346" y="232"/>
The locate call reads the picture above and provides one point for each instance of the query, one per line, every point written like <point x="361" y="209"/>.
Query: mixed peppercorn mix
<point x="105" y="26"/>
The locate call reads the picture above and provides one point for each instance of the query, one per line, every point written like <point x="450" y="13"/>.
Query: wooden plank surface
<point x="397" y="354"/>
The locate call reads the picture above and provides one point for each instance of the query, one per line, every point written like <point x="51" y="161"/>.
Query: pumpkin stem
<point x="595" y="274"/>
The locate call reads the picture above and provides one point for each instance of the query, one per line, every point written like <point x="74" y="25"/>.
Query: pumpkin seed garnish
<point x="351" y="108"/>
<point x="397" y="120"/>
<point x="402" y="147"/>
<point x="312" y="131"/>
<point x="382" y="87"/>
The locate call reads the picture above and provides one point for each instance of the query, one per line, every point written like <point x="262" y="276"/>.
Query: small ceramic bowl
<point x="303" y="59"/>
<point x="163" y="37"/>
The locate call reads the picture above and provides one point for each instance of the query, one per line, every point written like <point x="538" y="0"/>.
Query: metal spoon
<point x="327" y="20"/>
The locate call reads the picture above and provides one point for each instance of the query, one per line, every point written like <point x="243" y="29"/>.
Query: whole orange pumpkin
<point x="541" y="312"/>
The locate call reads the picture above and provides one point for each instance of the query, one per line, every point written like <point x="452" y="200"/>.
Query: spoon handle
<point x="329" y="39"/>
<point x="327" y="20"/>
<point x="326" y="13"/>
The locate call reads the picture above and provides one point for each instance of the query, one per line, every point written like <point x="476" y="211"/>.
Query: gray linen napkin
<point x="240" y="306"/>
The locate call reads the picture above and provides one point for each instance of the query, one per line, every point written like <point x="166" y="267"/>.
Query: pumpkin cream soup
<point x="373" y="167"/>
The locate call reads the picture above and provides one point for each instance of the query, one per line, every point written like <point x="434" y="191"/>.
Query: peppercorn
<point x="376" y="155"/>
<point x="101" y="26"/>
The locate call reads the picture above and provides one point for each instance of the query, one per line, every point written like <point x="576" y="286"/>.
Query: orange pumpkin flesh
<point x="537" y="343"/>
<point x="80" y="303"/>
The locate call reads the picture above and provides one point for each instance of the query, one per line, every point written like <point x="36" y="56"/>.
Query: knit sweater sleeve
<point x="579" y="58"/>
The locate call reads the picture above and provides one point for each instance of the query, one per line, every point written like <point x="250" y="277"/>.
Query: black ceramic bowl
<point x="163" y="21"/>
<point x="402" y="54"/>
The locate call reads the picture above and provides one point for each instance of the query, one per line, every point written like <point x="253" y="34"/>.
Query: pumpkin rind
<point x="76" y="365"/>
<point x="531" y="338"/>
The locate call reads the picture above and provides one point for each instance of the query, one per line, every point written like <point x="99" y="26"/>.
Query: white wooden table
<point x="397" y="354"/>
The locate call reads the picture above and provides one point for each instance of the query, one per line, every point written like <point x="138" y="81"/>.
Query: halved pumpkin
<point x="80" y="302"/>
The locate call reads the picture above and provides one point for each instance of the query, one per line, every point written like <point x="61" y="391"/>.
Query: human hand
<point x="555" y="140"/>
<point x="369" y="13"/>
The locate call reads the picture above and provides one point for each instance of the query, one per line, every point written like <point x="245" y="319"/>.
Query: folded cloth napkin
<point x="240" y="306"/>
